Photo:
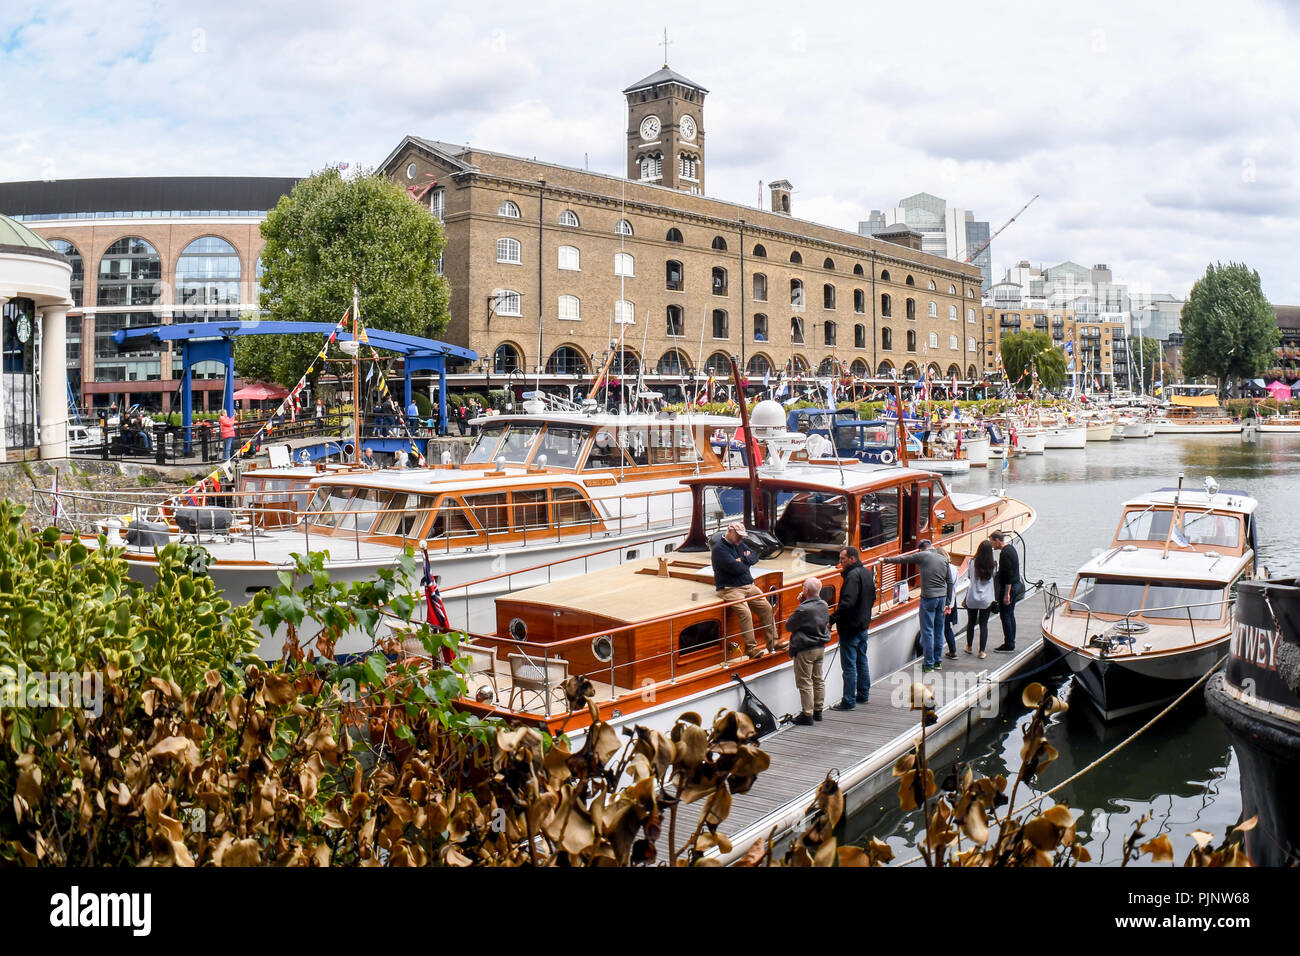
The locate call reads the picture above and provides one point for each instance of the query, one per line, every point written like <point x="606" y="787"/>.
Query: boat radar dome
<point x="767" y="417"/>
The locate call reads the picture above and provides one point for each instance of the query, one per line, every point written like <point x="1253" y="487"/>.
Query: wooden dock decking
<point x="863" y="744"/>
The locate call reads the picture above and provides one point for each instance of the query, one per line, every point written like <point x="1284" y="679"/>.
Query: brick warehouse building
<point x="145" y="251"/>
<point x="547" y="263"/>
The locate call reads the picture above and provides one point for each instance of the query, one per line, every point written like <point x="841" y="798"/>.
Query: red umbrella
<point x="259" y="392"/>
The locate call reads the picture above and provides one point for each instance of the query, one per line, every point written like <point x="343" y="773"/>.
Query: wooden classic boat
<point x="1257" y="696"/>
<point x="651" y="637"/>
<point x="1288" y="424"/>
<point x="1154" y="612"/>
<point x="1198" y="414"/>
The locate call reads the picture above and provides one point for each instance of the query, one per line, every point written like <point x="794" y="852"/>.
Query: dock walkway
<point x="863" y="744"/>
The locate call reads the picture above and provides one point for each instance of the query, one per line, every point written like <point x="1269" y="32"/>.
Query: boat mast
<point x="356" y="379"/>
<point x="902" y="424"/>
<point x="760" y="512"/>
<point x="1173" y="516"/>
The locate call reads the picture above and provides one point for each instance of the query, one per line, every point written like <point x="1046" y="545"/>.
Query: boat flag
<point x="1157" y="387"/>
<point x="1006" y="459"/>
<point x="767" y="380"/>
<point x="830" y="393"/>
<point x="437" y="611"/>
<point x="1178" y="538"/>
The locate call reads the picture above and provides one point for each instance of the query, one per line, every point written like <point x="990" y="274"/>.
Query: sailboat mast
<point x="356" y="379"/>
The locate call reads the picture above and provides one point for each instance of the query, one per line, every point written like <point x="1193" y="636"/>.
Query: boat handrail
<point x="1054" y="599"/>
<point x="1127" y="619"/>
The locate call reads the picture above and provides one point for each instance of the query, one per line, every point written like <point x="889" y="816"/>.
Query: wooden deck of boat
<point x="863" y="744"/>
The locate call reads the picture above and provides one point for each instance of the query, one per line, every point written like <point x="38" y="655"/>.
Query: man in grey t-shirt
<point x="936" y="599"/>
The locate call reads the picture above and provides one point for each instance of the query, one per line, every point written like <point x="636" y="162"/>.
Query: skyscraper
<point x="952" y="232"/>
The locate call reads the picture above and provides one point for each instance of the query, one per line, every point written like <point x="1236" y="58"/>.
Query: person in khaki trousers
<point x="731" y="562"/>
<point x="809" y="627"/>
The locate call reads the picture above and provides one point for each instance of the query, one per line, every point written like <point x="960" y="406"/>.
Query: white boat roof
<point x="611" y="419"/>
<point x="432" y="481"/>
<point x="1179" y="565"/>
<point x="1229" y="502"/>
<point x="853" y="475"/>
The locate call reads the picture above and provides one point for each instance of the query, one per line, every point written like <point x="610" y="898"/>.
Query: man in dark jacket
<point x="852" y="617"/>
<point x="809" y="627"/>
<point x="731" y="562"/>
<point x="1010" y="589"/>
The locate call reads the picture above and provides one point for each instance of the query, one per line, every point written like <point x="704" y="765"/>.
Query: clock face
<point x="650" y="127"/>
<point x="687" y="126"/>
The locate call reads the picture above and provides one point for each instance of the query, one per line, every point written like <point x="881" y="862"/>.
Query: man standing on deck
<point x="1010" y="589"/>
<point x="731" y="562"/>
<point x="809" y="627"/>
<point x="852" y="617"/>
<point x="936" y="598"/>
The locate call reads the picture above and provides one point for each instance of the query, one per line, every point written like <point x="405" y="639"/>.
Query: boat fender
<point x="757" y="711"/>
<point x="1288" y="665"/>
<point x="887" y="457"/>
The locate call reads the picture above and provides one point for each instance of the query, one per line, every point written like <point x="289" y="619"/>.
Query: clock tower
<point x="665" y="131"/>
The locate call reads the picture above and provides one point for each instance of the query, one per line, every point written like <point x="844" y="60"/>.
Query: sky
<point x="1160" y="137"/>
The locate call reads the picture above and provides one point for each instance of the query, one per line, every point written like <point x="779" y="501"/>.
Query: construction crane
<point x="989" y="240"/>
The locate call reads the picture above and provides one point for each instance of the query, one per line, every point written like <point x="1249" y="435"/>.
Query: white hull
<point x="944" y="466"/>
<point x="1101" y="432"/>
<point x="1032" y="443"/>
<point x="977" y="451"/>
<point x="1065" y="436"/>
<point x="1165" y="427"/>
<point x="1143" y="429"/>
<point x="1290" y="428"/>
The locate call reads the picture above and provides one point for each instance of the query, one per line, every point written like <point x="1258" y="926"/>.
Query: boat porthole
<point x="602" y="648"/>
<point x="518" y="629"/>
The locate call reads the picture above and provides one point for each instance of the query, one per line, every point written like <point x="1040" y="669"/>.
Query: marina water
<point x="1182" y="771"/>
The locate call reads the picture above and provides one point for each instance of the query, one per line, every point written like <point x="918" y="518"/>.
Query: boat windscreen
<point x="561" y="444"/>
<point x="1207" y="527"/>
<point x="1173" y="600"/>
<point x="488" y="440"/>
<point x="518" y="443"/>
<point x="813" y="520"/>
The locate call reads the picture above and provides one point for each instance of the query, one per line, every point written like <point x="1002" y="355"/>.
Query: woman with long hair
<point x="980" y="594"/>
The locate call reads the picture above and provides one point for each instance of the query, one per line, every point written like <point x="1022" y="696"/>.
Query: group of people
<point x="995" y="582"/>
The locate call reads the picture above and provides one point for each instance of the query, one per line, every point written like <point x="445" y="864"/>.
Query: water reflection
<point x="1183" y="770"/>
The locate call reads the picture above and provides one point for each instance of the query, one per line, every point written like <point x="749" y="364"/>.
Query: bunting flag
<point x="385" y="395"/>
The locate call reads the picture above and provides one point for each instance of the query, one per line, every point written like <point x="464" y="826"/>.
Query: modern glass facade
<point x="130" y="283"/>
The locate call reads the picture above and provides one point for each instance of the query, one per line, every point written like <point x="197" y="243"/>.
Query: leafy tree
<point x="329" y="235"/>
<point x="1023" y="352"/>
<point x="1229" y="328"/>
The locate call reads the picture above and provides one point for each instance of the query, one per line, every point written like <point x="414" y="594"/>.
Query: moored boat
<point x="1153" y="612"/>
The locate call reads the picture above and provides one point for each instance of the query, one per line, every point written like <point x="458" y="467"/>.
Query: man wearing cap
<point x="731" y="563"/>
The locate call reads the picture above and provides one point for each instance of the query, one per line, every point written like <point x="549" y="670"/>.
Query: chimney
<point x="781" y="190"/>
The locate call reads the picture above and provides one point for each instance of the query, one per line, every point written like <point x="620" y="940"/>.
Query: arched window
<point x="78" y="268"/>
<point x="507" y="302"/>
<point x="952" y="289"/>
<point x="509" y="250"/>
<point x="674" y="278"/>
<point x="859" y="301"/>
<point x="720" y="327"/>
<point x="796" y="258"/>
<point x="688" y="166"/>
<point x="508" y="209"/>
<point x="672" y="362"/>
<point x="505" y="359"/>
<point x="885" y="369"/>
<point x="129" y="275"/>
<point x="760" y="327"/>
<point x="887" y="340"/>
<point x="570" y="309"/>
<point x="566" y="360"/>
<point x="569" y="218"/>
<point x="953" y="372"/>
<point x="970" y="315"/>
<point x="625" y="363"/>
<point x="933" y="372"/>
<point x="623" y="265"/>
<point x="570" y="258"/>
<point x="796" y="330"/>
<point x="910" y="281"/>
<point x="624" y="313"/>
<point x="652" y="167"/>
<point x="719" y="244"/>
<point x="911" y="340"/>
<point x="674" y="235"/>
<point x="971" y="374"/>
<point x="828" y="334"/>
<point x="758" y="367"/>
<point x="932" y="285"/>
<point x="857" y="269"/>
<point x="934" y="340"/>
<point x="799" y="365"/>
<point x="884" y="275"/>
<point x="828" y="263"/>
<point x="970" y="344"/>
<point x="676" y="326"/>
<point x="934" y="310"/>
<point x="796" y="293"/>
<point x="719" y="280"/>
<point x="858" y="369"/>
<point x="760" y="252"/>
<point x="970" y="293"/>
<point x="886" y="305"/>
<point x="952" y="313"/>
<point x="911" y="308"/>
<point x="207" y="274"/>
<point x="952" y="343"/>
<point x="826" y="367"/>
<point x="622" y="228"/>
<point x="910" y="371"/>
<point x="859" y="336"/>
<point x="828" y="296"/>
<point x="719" y="364"/>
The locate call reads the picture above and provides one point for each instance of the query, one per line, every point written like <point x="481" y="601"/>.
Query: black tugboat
<point x="1257" y="695"/>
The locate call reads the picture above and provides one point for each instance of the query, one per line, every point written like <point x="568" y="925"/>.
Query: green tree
<point x="1229" y="329"/>
<point x="1023" y="350"/>
<point x="329" y="235"/>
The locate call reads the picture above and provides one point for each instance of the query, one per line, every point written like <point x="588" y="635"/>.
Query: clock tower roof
<point x="664" y="75"/>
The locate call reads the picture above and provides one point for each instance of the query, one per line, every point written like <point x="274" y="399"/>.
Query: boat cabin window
<point x="363" y="509"/>
<point x="1166" y="599"/>
<point x="865" y="437"/>
<point x="529" y="507"/>
<point x="518" y="443"/>
<point x="405" y="516"/>
<point x="878" y="518"/>
<point x="484" y="449"/>
<point x="923" y="512"/>
<point x="561" y="444"/>
<point x="452" y="521"/>
<point x="1144" y="525"/>
<point x="329" y="500"/>
<point x="636" y="444"/>
<point x="686" y="450"/>
<point x="605" y="452"/>
<point x="489" y="511"/>
<point x="1210" y="528"/>
<point x="813" y="520"/>
<point x="698" y="636"/>
<point x="571" y="507"/>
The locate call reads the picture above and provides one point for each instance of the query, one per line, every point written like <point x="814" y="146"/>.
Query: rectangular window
<point x="529" y="508"/>
<point x="489" y="511"/>
<point x="509" y="250"/>
<point x="569" y="258"/>
<point x="571" y="507"/>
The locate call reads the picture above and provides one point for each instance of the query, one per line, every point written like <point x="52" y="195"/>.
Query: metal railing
<point x="1053" y="600"/>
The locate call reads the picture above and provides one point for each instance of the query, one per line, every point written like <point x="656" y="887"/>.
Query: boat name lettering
<point x="1258" y="645"/>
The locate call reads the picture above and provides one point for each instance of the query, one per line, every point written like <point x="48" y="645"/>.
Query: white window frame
<point x="934" y="309"/>
<point x="622" y="261"/>
<point x="570" y="218"/>
<point x="623" y="228"/>
<point x="953" y="314"/>
<point x="505" y="247"/>
<point x="952" y="344"/>
<point x="576" y="259"/>
<point x="624" y="312"/>
<point x="438" y="202"/>
<point x="970" y="315"/>
<point x="934" y="340"/>
<point x="508" y="302"/>
<point x="574" y="309"/>
<point x="509" y="210"/>
<point x="970" y="343"/>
